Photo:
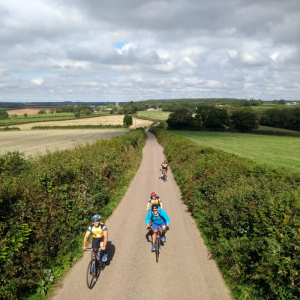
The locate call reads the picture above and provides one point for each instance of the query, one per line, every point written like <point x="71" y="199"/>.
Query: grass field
<point x="275" y="129"/>
<point x="104" y="120"/>
<point x="39" y="142"/>
<point x="276" y="151"/>
<point x="156" y="114"/>
<point x="42" y="117"/>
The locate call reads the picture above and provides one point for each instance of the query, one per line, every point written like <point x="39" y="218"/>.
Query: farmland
<point x="104" y="120"/>
<point x="155" y="114"/>
<point x="39" y="142"/>
<point x="276" y="151"/>
<point x="18" y="117"/>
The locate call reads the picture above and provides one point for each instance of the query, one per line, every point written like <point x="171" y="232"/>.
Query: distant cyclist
<point x="164" y="166"/>
<point x="154" y="199"/>
<point x="159" y="218"/>
<point x="100" y="235"/>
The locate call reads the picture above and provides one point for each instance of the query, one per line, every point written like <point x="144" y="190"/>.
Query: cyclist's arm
<point x="148" y="206"/>
<point x="85" y="239"/>
<point x="165" y="216"/>
<point x="147" y="221"/>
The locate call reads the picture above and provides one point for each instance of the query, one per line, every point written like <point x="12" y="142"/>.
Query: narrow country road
<point x="184" y="270"/>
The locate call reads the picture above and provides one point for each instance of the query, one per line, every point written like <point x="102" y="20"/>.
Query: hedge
<point x="100" y="126"/>
<point x="47" y="203"/>
<point x="249" y="216"/>
<point x="10" y="129"/>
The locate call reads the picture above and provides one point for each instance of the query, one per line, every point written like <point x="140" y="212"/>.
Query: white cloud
<point x="37" y="81"/>
<point x="117" y="51"/>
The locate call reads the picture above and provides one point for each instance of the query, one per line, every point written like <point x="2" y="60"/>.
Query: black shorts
<point x="96" y="242"/>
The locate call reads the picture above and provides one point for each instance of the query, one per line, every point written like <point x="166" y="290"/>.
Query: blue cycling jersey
<point x="159" y="218"/>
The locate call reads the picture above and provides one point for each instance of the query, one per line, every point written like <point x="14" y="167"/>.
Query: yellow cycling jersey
<point x="165" y="165"/>
<point x="156" y="201"/>
<point x="97" y="232"/>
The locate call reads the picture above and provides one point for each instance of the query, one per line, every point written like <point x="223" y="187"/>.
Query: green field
<point x="44" y="117"/>
<point x="276" y="151"/>
<point x="155" y="114"/>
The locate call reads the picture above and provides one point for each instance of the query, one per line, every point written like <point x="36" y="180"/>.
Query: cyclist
<point x="154" y="199"/>
<point x="164" y="166"/>
<point x="159" y="218"/>
<point x="100" y="235"/>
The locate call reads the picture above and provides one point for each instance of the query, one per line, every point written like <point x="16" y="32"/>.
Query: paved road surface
<point x="184" y="270"/>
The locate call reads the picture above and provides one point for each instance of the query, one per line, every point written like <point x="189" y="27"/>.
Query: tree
<point x="245" y="120"/>
<point x="211" y="117"/>
<point x="77" y="114"/>
<point x="127" y="120"/>
<point x="3" y="115"/>
<point x="42" y="111"/>
<point x="281" y="102"/>
<point x="275" y="102"/>
<point x="25" y="115"/>
<point x="180" y="119"/>
<point x="52" y="110"/>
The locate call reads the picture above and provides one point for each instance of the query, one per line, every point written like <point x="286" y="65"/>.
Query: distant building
<point x="117" y="104"/>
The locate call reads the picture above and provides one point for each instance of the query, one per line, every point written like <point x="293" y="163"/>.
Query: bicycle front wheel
<point x="92" y="274"/>
<point x="157" y="246"/>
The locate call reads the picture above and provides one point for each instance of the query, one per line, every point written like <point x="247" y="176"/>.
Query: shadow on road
<point x="111" y="249"/>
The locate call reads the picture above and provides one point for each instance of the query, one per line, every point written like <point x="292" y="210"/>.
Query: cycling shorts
<point x="155" y="226"/>
<point x="96" y="242"/>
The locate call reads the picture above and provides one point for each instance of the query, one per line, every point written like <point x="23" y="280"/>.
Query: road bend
<point x="184" y="270"/>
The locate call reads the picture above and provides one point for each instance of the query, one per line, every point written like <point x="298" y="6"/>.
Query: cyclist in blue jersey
<point x="159" y="218"/>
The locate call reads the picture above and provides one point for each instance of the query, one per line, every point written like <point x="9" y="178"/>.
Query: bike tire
<point x="91" y="278"/>
<point x="157" y="246"/>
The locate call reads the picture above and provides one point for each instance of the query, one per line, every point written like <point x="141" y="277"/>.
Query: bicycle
<point x="94" y="267"/>
<point x="164" y="175"/>
<point x="158" y="241"/>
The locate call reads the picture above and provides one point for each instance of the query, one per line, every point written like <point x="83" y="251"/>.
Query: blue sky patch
<point x="119" y="45"/>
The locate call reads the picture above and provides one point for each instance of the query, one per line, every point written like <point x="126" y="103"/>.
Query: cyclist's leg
<point x="104" y="250"/>
<point x="154" y="235"/>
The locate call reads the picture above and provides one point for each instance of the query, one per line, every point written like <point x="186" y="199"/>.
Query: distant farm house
<point x="108" y="108"/>
<point x="292" y="103"/>
<point x="150" y="109"/>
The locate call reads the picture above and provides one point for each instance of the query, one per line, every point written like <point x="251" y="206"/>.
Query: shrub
<point x="42" y="111"/>
<point x="46" y="204"/>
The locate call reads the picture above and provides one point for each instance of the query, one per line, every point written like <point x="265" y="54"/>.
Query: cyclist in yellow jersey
<point x="154" y="199"/>
<point x="164" y="166"/>
<point x="100" y="235"/>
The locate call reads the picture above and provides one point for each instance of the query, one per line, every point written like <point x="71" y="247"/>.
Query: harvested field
<point x="29" y="111"/>
<point x="33" y="143"/>
<point x="104" y="120"/>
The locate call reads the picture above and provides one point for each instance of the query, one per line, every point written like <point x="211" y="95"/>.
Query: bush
<point x="3" y="115"/>
<point x="46" y="204"/>
<point x="248" y="215"/>
<point x="127" y="120"/>
<point x="42" y="111"/>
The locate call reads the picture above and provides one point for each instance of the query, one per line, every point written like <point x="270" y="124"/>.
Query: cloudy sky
<point x="95" y="50"/>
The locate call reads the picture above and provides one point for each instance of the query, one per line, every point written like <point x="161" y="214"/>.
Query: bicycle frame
<point x="94" y="267"/>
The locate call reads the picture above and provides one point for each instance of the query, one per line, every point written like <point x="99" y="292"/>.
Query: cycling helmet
<point x="153" y="194"/>
<point x="154" y="206"/>
<point x="165" y="160"/>
<point x="96" y="218"/>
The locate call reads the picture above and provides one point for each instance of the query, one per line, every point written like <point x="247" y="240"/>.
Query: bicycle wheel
<point x="157" y="246"/>
<point x="91" y="277"/>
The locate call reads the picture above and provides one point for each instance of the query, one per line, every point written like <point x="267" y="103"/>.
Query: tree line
<point x="211" y="117"/>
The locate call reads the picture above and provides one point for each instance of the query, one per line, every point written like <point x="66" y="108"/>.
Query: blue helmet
<point x="96" y="218"/>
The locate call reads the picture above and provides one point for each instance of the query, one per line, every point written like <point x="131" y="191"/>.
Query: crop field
<point x="29" y="111"/>
<point x="276" y="151"/>
<point x="104" y="120"/>
<point x="33" y="143"/>
<point x="156" y="114"/>
<point x="41" y="117"/>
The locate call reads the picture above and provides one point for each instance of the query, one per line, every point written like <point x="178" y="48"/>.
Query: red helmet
<point x="153" y="194"/>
